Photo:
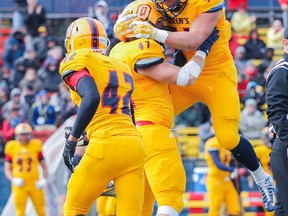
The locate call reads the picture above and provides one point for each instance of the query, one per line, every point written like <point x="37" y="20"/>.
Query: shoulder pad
<point x="147" y="62"/>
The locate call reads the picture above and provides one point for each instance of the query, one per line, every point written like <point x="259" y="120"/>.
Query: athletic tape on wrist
<point x="201" y="54"/>
<point x="195" y="68"/>
<point x="183" y="77"/>
<point x="161" y="35"/>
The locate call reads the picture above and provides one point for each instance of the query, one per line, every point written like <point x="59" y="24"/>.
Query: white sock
<point x="259" y="174"/>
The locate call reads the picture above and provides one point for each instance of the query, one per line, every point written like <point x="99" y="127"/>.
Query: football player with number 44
<point x="216" y="86"/>
<point x="101" y="87"/>
<point x="22" y="158"/>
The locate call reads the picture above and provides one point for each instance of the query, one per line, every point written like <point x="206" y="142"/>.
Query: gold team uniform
<point x="217" y="84"/>
<point x="154" y="117"/>
<point x="116" y="149"/>
<point x="219" y="185"/>
<point x="25" y="161"/>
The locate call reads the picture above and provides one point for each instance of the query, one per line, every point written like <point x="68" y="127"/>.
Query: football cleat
<point x="267" y="190"/>
<point x="110" y="190"/>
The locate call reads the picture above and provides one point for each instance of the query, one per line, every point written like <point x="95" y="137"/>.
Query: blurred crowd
<point x="32" y="91"/>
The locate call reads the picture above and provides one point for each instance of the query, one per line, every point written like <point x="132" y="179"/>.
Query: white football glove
<point x="146" y="30"/>
<point x="234" y="174"/>
<point x="122" y="25"/>
<point x="19" y="182"/>
<point x="40" y="184"/>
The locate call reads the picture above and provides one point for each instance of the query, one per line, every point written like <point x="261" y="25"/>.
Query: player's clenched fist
<point x="68" y="154"/>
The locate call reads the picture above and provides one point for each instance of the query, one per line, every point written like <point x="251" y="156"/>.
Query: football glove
<point x="146" y="30"/>
<point x="207" y="44"/>
<point x="83" y="139"/>
<point x="18" y="182"/>
<point x="40" y="184"/>
<point x="122" y="25"/>
<point x="234" y="174"/>
<point x="68" y="154"/>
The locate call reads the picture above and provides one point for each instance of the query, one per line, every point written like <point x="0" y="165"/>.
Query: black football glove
<point x="68" y="154"/>
<point x="207" y="44"/>
<point x="83" y="139"/>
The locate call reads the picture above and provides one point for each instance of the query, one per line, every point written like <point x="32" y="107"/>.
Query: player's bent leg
<point x="163" y="166"/>
<point x="130" y="193"/>
<point x="149" y="199"/>
<point x="101" y="205"/>
<point x="38" y="200"/>
<point x="20" y="199"/>
<point x="111" y="206"/>
<point x="216" y="192"/>
<point x="79" y="199"/>
<point x="232" y="199"/>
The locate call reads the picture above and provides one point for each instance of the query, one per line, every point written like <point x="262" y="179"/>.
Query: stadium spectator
<point x="29" y="59"/>
<point x="28" y="96"/>
<point x="43" y="114"/>
<point x="18" y="15"/>
<point x="14" y="48"/>
<point x="255" y="47"/>
<point x="253" y="91"/>
<point x="50" y="76"/>
<point x="31" y="79"/>
<point x="242" y="22"/>
<point x="34" y="17"/>
<point x="12" y="120"/>
<point x="275" y="35"/>
<point x="252" y="121"/>
<point x="240" y="59"/>
<point x="15" y="100"/>
<point x="101" y="13"/>
<point x="250" y="70"/>
<point x="242" y="86"/>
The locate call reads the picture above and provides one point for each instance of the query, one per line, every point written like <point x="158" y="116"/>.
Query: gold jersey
<point x="220" y="54"/>
<point x="151" y="98"/>
<point x="224" y="155"/>
<point x="24" y="158"/>
<point x="115" y="86"/>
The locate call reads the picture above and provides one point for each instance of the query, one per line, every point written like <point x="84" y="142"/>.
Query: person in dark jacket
<point x="277" y="111"/>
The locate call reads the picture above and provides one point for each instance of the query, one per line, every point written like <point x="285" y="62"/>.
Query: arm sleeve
<point x="87" y="90"/>
<point x="215" y="156"/>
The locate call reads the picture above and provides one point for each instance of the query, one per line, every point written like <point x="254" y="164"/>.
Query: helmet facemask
<point x="171" y="11"/>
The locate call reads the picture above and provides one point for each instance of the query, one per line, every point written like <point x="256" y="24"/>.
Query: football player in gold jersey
<point x="22" y="159"/>
<point x="101" y="87"/>
<point x="219" y="184"/>
<point x="154" y="113"/>
<point x="193" y="21"/>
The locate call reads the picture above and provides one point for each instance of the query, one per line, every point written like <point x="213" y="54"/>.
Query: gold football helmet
<point x="23" y="133"/>
<point x="170" y="8"/>
<point x="86" y="32"/>
<point x="146" y="12"/>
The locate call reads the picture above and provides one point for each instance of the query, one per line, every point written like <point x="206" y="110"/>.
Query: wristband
<point x="161" y="35"/>
<point x="201" y="54"/>
<point x="183" y="77"/>
<point x="195" y="69"/>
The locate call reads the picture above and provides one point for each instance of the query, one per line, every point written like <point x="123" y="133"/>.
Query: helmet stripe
<point x="94" y="33"/>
